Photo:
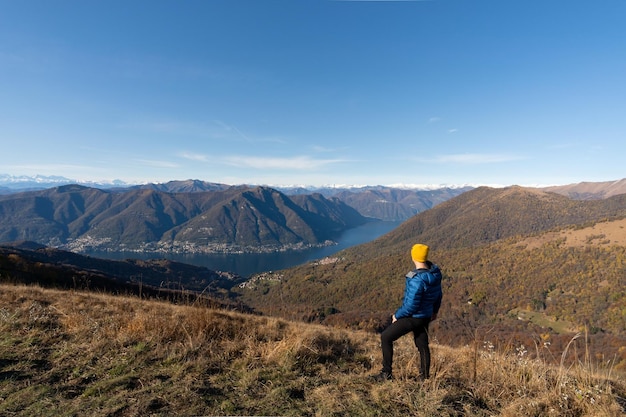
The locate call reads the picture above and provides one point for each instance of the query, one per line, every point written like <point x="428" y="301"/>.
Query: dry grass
<point x="70" y="353"/>
<point x="600" y="234"/>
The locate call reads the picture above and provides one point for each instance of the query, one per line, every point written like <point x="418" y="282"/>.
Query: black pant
<point x="399" y="328"/>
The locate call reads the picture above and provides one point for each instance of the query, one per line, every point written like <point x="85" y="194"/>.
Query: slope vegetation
<point x="76" y="353"/>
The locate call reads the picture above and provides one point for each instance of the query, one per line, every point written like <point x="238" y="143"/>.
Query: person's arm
<point x="412" y="298"/>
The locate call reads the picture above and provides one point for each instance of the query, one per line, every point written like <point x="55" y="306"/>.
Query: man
<point x="422" y="299"/>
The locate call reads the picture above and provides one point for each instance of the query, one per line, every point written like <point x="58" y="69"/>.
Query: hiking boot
<point x="381" y="377"/>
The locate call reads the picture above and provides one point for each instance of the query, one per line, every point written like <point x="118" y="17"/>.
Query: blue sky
<point x="315" y="92"/>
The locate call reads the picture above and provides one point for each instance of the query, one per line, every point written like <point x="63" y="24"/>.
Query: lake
<point x="247" y="264"/>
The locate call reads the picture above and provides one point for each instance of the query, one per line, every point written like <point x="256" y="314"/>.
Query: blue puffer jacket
<point x="422" y="293"/>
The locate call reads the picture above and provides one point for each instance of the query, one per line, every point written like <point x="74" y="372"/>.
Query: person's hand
<point x="393" y="318"/>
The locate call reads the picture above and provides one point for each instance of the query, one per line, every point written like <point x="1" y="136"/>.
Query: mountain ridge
<point x="82" y="218"/>
<point x="386" y="203"/>
<point x="12" y="183"/>
<point x="590" y="190"/>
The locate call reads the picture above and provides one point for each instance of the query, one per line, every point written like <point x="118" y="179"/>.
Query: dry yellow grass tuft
<point x="66" y="353"/>
<point x="600" y="234"/>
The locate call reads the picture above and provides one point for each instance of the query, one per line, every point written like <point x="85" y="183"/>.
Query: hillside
<point x="378" y="202"/>
<point x="393" y="204"/>
<point x="590" y="190"/>
<point x="77" y="353"/>
<point x="502" y="251"/>
<point x="29" y="263"/>
<point x="486" y="215"/>
<point x="232" y="220"/>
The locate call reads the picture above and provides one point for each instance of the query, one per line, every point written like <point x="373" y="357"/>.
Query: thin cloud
<point x="157" y="164"/>
<point x="194" y="156"/>
<point x="453" y="130"/>
<point x="232" y="129"/>
<point x="434" y="119"/>
<point x="477" y="158"/>
<point x="295" y="163"/>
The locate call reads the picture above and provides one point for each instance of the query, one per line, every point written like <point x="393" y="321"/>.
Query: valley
<point x="249" y="263"/>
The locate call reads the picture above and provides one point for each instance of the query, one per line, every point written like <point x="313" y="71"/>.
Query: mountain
<point x="393" y="204"/>
<point x="591" y="190"/>
<point x="379" y="202"/>
<point x="485" y="215"/>
<point x="235" y="219"/>
<point x="186" y="186"/>
<point x="11" y="183"/>
<point x="263" y="217"/>
<point x="558" y="263"/>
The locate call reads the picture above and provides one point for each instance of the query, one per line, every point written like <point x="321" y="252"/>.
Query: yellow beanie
<point x="419" y="252"/>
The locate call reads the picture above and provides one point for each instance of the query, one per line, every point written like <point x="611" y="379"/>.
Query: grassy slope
<point x="65" y="353"/>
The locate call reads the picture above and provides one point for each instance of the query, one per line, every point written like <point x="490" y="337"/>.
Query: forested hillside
<point x="232" y="220"/>
<point x="509" y="272"/>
